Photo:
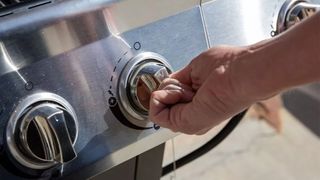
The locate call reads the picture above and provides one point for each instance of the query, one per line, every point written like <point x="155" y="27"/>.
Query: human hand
<point x="201" y="95"/>
<point x="223" y="81"/>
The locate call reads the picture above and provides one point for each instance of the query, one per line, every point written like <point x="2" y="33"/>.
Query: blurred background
<point x="278" y="139"/>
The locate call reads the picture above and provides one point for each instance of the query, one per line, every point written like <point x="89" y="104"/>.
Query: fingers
<point x="170" y="95"/>
<point x="162" y="100"/>
<point x="177" y="83"/>
<point x="185" y="94"/>
<point x="173" y="107"/>
<point x="183" y="75"/>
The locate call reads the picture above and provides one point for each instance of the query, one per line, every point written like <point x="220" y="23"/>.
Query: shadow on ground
<point x="304" y="103"/>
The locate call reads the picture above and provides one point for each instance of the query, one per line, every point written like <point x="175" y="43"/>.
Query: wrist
<point x="252" y="73"/>
<point x="277" y="64"/>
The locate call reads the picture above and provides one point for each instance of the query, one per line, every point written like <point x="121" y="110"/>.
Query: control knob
<point x="142" y="75"/>
<point x="42" y="132"/>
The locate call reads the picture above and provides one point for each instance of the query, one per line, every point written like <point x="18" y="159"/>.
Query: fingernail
<point x="172" y="87"/>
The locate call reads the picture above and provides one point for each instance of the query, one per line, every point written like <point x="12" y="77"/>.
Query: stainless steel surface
<point x="239" y="22"/>
<point x="35" y="19"/>
<point x="292" y="12"/>
<point x="131" y="14"/>
<point x="26" y="45"/>
<point x="144" y="64"/>
<point x="29" y="36"/>
<point x="47" y="112"/>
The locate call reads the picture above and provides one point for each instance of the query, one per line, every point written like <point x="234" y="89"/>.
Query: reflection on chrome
<point x="251" y="16"/>
<point x="9" y="63"/>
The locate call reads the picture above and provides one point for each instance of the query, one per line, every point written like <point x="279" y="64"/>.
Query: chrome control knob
<point x="292" y="12"/>
<point x="142" y="75"/>
<point x="145" y="79"/>
<point x="43" y="134"/>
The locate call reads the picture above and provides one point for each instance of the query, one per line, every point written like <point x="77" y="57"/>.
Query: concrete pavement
<point x="253" y="151"/>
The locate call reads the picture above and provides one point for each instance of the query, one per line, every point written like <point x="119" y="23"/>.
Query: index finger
<point x="183" y="75"/>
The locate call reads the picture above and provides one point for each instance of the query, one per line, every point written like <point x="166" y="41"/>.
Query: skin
<point x="225" y="80"/>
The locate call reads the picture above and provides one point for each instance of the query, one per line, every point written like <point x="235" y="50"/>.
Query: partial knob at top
<point x="293" y="12"/>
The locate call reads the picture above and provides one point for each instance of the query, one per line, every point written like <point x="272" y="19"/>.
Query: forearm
<point x="280" y="63"/>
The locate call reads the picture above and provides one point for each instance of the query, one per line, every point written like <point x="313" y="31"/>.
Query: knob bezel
<point x="130" y="111"/>
<point x="14" y="123"/>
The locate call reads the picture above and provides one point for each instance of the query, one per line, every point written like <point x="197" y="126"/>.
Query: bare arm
<point x="283" y="62"/>
<point x="224" y="80"/>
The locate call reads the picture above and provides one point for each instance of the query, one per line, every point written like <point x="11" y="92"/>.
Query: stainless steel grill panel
<point x="86" y="74"/>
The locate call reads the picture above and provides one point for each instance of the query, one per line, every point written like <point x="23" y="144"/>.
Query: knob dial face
<point x="142" y="75"/>
<point x="145" y="79"/>
<point x="42" y="133"/>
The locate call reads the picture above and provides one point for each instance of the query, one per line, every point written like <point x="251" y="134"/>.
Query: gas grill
<point x="76" y="76"/>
